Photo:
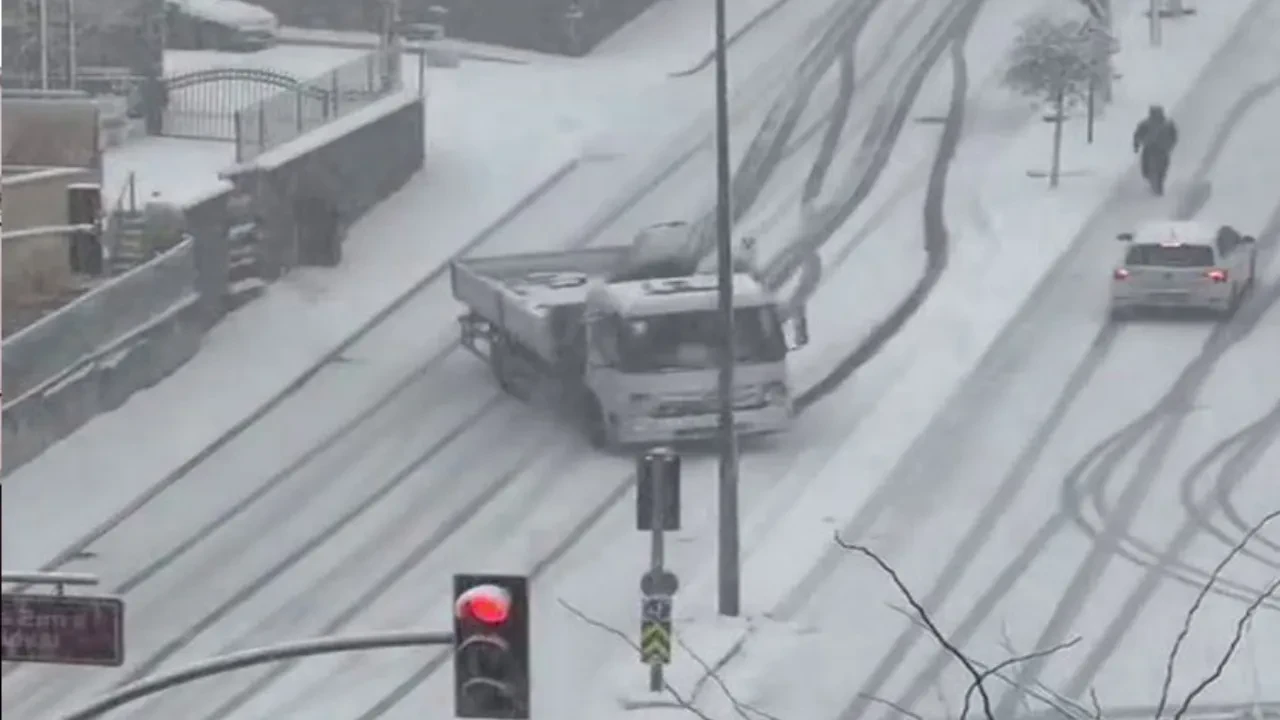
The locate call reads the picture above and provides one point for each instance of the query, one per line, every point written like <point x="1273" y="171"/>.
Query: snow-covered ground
<point x="990" y="544"/>
<point x="363" y="531"/>
<point x="480" y="164"/>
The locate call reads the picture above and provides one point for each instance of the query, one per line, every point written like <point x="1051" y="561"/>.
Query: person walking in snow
<point x="1155" y="137"/>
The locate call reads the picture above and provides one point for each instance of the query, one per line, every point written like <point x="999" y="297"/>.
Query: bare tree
<point x="1199" y="600"/>
<point x="1058" y="61"/>
<point x="980" y="672"/>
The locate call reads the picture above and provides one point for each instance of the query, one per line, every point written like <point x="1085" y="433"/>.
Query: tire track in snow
<point x="1165" y="419"/>
<point x="1115" y="535"/>
<point x="1250" y="445"/>
<point x="546" y="480"/>
<point x="317" y="452"/>
<point x="248" y="591"/>
<point x="1011" y="485"/>
<point x="435" y="275"/>
<point x="1233" y="454"/>
<point x="932" y="220"/>
<point x="325" y="445"/>
<point x="936" y="236"/>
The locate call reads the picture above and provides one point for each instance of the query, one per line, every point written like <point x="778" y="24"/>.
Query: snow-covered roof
<point x="696" y="292"/>
<point x="233" y="13"/>
<point x="1176" y="231"/>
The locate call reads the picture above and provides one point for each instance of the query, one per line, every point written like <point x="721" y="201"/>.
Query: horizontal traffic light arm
<point x="256" y="656"/>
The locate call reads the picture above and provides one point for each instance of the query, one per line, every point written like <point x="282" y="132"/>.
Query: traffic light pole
<point x="730" y="601"/>
<point x="257" y="656"/>
<point x="657" y="558"/>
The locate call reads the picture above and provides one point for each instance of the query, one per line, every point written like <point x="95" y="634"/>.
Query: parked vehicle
<point x="635" y="357"/>
<point x="231" y="25"/>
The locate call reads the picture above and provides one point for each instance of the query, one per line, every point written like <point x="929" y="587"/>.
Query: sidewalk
<point x="497" y="133"/>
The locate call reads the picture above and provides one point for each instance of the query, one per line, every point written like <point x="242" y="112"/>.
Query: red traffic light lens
<point x="487" y="604"/>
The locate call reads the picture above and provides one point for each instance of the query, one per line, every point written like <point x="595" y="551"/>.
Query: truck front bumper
<point x="646" y="430"/>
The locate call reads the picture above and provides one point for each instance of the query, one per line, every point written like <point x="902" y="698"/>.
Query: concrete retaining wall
<point x="350" y="165"/>
<point x="123" y="336"/>
<point x="89" y="357"/>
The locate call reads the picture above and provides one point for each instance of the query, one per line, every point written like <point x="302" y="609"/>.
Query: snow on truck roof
<point x="542" y="291"/>
<point x="684" y="294"/>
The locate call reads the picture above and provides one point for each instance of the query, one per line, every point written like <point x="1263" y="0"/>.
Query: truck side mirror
<point x="1125" y="237"/>
<point x="797" y="326"/>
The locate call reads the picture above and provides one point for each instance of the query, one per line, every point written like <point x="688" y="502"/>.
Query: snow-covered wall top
<point x="232" y="13"/>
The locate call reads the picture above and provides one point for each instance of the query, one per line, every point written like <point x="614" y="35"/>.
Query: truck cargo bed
<point x="534" y="298"/>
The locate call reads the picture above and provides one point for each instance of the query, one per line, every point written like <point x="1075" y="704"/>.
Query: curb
<point x="548" y="184"/>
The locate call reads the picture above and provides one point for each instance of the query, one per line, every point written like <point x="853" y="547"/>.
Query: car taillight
<point x="1121" y="274"/>
<point x="1218" y="276"/>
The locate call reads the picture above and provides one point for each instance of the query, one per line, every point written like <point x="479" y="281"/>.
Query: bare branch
<point x="1008" y="663"/>
<point x="1006" y="642"/>
<point x="1241" y="628"/>
<point x="937" y="634"/>
<point x="739" y="707"/>
<point x="1052" y="700"/>
<point x="1195" y="608"/>
<point x="1097" y="706"/>
<point x="1061" y="704"/>
<point x="891" y="705"/>
<point x="675" y="694"/>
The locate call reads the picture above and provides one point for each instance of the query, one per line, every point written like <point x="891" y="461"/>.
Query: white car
<point x="1183" y="266"/>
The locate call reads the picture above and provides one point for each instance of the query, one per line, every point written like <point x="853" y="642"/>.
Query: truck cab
<point x="653" y="357"/>
<point x="637" y="359"/>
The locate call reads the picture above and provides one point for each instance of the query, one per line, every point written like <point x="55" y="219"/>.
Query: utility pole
<point x="73" y="71"/>
<point x="729" y="555"/>
<point x="44" y="44"/>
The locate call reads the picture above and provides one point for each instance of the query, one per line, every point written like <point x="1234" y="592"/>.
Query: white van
<point x="219" y="25"/>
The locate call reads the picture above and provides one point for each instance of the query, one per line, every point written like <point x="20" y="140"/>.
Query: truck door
<point x="602" y="354"/>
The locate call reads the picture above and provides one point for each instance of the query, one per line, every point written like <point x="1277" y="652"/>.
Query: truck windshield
<point x="693" y="339"/>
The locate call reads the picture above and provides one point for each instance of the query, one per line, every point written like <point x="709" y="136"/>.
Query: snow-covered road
<point x="1084" y="483"/>
<point x="326" y="517"/>
<point x="255" y="545"/>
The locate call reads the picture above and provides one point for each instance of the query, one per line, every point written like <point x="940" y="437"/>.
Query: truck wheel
<point x="600" y="431"/>
<point x="500" y="362"/>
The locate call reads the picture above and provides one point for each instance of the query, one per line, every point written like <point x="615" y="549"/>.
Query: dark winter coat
<point x="1155" y="135"/>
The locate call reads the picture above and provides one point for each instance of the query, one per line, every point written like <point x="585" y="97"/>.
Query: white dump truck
<point x="631" y="345"/>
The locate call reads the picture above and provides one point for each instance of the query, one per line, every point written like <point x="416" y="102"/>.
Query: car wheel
<point x="1237" y="295"/>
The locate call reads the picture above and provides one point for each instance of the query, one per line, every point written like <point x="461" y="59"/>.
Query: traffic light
<point x="491" y="646"/>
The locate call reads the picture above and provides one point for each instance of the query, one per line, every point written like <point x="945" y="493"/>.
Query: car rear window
<point x="1170" y="255"/>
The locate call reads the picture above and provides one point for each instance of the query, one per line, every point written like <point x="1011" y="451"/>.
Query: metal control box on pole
<point x="657" y="477"/>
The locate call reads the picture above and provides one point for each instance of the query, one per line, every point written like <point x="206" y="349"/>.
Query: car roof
<point x="1176" y="233"/>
